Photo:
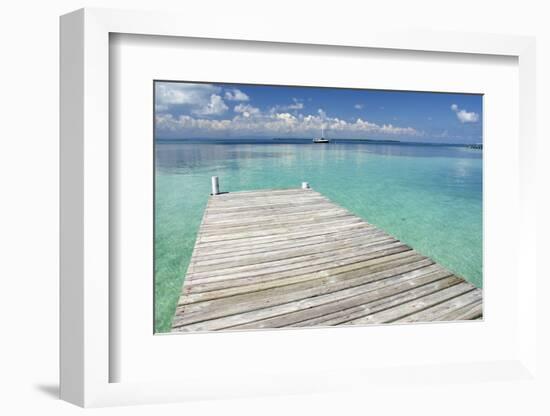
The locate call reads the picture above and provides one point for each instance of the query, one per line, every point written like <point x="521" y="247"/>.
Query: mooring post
<point x="215" y="185"/>
<point x="305" y="185"/>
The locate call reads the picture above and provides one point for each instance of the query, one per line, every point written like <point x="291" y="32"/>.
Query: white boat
<point x="321" y="139"/>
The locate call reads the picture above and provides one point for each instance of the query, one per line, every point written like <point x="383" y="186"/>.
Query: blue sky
<point x="217" y="110"/>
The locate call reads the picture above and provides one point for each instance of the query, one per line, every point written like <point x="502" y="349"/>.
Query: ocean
<point x="428" y="196"/>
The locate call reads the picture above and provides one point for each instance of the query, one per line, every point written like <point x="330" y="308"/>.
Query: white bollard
<point x="305" y="185"/>
<point x="215" y="185"/>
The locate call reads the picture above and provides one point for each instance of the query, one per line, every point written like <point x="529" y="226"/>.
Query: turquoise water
<point x="430" y="197"/>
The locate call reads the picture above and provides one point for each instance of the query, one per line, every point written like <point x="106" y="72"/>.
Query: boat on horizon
<point x="322" y="139"/>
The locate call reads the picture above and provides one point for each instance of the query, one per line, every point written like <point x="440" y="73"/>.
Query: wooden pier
<point x="293" y="258"/>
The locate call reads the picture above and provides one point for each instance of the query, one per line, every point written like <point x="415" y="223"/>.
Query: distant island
<point x="354" y="140"/>
<point x="302" y="140"/>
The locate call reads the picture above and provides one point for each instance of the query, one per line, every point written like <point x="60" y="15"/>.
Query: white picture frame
<point x="86" y="263"/>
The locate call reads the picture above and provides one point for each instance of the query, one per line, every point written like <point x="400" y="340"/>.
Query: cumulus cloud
<point x="358" y="106"/>
<point x="246" y="110"/>
<point x="214" y="107"/>
<point x="199" y="99"/>
<point x="174" y="93"/>
<point x="464" y="116"/>
<point x="200" y="110"/>
<point x="250" y="120"/>
<point x="235" y="95"/>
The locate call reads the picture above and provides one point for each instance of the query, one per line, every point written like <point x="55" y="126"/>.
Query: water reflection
<point x="189" y="155"/>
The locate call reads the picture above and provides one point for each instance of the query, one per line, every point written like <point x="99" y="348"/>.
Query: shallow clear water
<point x="430" y="197"/>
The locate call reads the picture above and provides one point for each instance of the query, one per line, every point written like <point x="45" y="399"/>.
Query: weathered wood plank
<point x="370" y="301"/>
<point x="262" y="308"/>
<point x="268" y="193"/>
<point x="265" y="219"/>
<point x="336" y="285"/>
<point x="265" y="203"/>
<point x="347" y="314"/>
<point x="437" y="311"/>
<point x="271" y="202"/>
<point x="268" y="212"/>
<point x="343" y="226"/>
<point x="327" y="224"/>
<point x="260" y="192"/>
<point x="229" y="230"/>
<point x="230" y="252"/>
<point x="284" y="207"/>
<point x="347" y="256"/>
<point x="381" y="268"/>
<point x="213" y="256"/>
<point x="467" y="312"/>
<point x="294" y="252"/>
<point x="377" y="261"/>
<point x="393" y="314"/>
<point x="291" y="257"/>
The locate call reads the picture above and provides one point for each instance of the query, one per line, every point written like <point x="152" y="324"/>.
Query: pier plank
<point x="293" y="258"/>
<point x="220" y="253"/>
<point x="302" y="261"/>
<point x="394" y="300"/>
<point x="372" y="301"/>
<point x="344" y="246"/>
<point x="384" y="266"/>
<point x="284" y="302"/>
<point x="435" y="312"/>
<point x="340" y="283"/>
<point x="467" y="312"/>
<point x="406" y="309"/>
<point x="274" y="223"/>
<point x="376" y="260"/>
<point x="344" y="226"/>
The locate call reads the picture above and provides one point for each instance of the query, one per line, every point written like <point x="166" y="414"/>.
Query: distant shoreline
<point x="267" y="140"/>
<point x="355" y="140"/>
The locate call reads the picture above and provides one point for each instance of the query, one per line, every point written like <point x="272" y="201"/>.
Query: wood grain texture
<point x="292" y="258"/>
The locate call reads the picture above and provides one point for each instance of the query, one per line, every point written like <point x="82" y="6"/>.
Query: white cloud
<point x="236" y="95"/>
<point x="199" y="99"/>
<point x="358" y="106"/>
<point x="176" y="124"/>
<point x="296" y="105"/>
<point x="177" y="93"/>
<point x="465" y="116"/>
<point x="214" y="107"/>
<point x="250" y="120"/>
<point x="246" y="110"/>
<point x="195" y="109"/>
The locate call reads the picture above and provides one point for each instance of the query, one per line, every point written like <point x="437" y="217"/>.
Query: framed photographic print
<point x="257" y="251"/>
<point x="288" y="213"/>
